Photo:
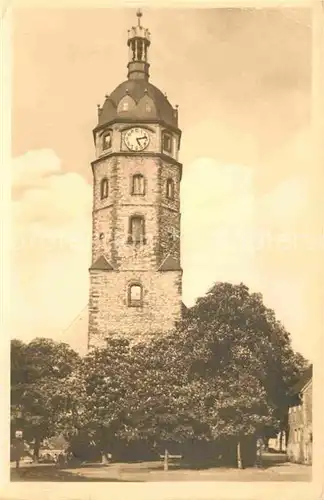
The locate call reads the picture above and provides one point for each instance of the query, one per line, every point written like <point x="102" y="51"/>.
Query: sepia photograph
<point x="165" y="245"/>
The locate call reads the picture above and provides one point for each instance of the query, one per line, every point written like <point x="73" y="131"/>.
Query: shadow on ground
<point x="274" y="467"/>
<point x="52" y="473"/>
<point x="274" y="460"/>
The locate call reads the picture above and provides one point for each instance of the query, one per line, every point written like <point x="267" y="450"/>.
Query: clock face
<point x="137" y="139"/>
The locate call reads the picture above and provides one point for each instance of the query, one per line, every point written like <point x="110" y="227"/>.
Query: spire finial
<point x="138" y="43"/>
<point x="139" y="14"/>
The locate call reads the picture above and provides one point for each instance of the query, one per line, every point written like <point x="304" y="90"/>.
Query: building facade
<point x="300" y="437"/>
<point x="135" y="274"/>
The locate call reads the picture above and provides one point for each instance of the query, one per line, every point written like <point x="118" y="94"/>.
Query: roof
<point x="184" y="309"/>
<point x="101" y="264"/>
<point x="141" y="92"/>
<point x="170" y="264"/>
<point x="304" y="379"/>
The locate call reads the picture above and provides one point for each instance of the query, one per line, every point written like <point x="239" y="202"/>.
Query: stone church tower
<point x="135" y="275"/>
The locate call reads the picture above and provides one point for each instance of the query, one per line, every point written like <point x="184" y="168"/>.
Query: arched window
<point x="104" y="188"/>
<point x="146" y="105"/>
<point x="127" y="103"/>
<point x="138" y="184"/>
<point x="136" y="229"/>
<point x="106" y="140"/>
<point x="170" y="189"/>
<point x="135" y="295"/>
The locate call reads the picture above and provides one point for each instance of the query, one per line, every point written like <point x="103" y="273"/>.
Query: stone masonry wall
<point x="103" y="210"/>
<point x="169" y="213"/>
<point x="110" y="314"/>
<point x="299" y="447"/>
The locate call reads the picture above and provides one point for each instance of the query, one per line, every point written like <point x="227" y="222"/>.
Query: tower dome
<point x="136" y="98"/>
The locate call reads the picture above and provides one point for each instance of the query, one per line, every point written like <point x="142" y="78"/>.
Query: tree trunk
<point x="266" y="443"/>
<point x="239" y="455"/>
<point x="36" y="449"/>
<point x="280" y="441"/>
<point x="286" y="436"/>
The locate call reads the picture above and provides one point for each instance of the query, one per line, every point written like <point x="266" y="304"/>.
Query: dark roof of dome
<point x="161" y="109"/>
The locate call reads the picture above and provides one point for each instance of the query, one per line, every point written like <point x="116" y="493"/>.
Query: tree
<point x="94" y="396"/>
<point x="232" y="332"/>
<point x="125" y="395"/>
<point x="38" y="373"/>
<point x="222" y="377"/>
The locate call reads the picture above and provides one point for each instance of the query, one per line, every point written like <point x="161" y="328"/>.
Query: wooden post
<point x="166" y="461"/>
<point x="239" y="456"/>
<point x="280" y="441"/>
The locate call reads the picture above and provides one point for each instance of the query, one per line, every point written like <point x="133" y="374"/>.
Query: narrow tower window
<point x="136" y="229"/>
<point x="133" y="50"/>
<point x="106" y="142"/>
<point x="104" y="188"/>
<point x="170" y="189"/>
<point x="167" y="143"/>
<point x="138" y="186"/>
<point x="135" y="295"/>
<point x="139" y="50"/>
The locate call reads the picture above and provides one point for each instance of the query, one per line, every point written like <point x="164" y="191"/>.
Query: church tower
<point x="135" y="275"/>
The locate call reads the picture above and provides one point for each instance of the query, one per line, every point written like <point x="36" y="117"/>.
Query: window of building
<point x="104" y="188"/>
<point x="138" y="184"/>
<point x="170" y="189"/>
<point x="135" y="295"/>
<point x="106" y="141"/>
<point x="127" y="103"/>
<point x="136" y="229"/>
<point x="167" y="143"/>
<point x="148" y="107"/>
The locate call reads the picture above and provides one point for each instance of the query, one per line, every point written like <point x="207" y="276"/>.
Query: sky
<point x="242" y="80"/>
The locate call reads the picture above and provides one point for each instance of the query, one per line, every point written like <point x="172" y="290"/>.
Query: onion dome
<point x="136" y="99"/>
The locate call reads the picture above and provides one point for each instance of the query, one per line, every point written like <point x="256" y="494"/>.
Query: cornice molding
<point x="144" y="154"/>
<point x="135" y="121"/>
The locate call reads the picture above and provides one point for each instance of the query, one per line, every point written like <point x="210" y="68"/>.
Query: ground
<point x="275" y="468"/>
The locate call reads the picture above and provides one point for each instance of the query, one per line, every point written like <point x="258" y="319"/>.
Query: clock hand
<point x="138" y="139"/>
